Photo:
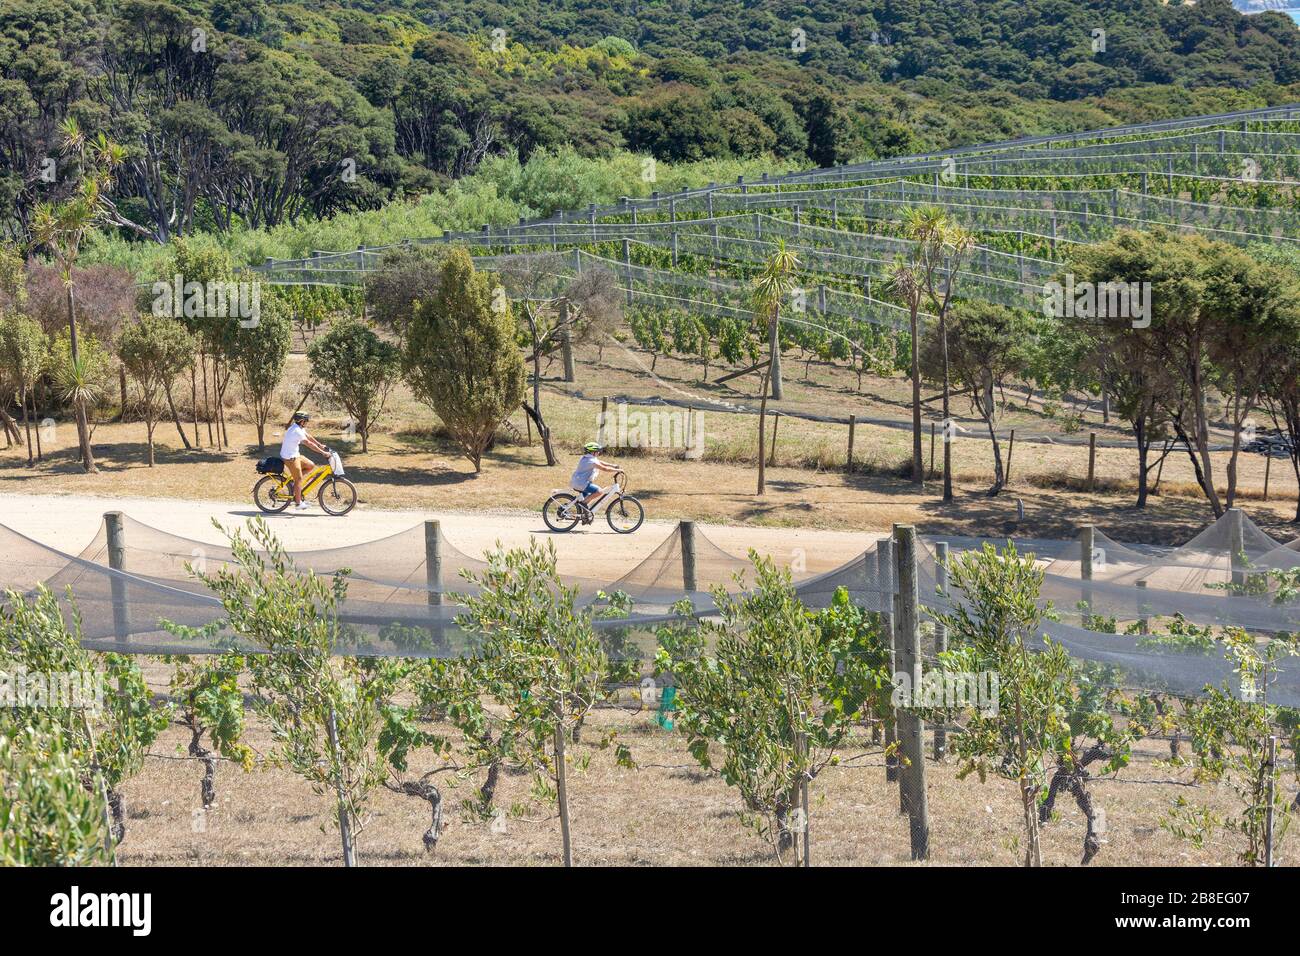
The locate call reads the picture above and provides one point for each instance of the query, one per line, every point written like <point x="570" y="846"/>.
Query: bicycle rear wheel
<point x="560" y="513"/>
<point x="337" y="496"/>
<point x="268" y="498"/>
<point x="625" y="515"/>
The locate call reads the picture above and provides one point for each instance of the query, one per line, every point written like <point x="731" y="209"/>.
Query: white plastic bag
<point x="336" y="464"/>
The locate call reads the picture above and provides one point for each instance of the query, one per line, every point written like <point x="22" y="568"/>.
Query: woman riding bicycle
<point x="298" y="465"/>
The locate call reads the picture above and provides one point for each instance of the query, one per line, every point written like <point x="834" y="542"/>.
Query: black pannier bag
<point x="271" y="466"/>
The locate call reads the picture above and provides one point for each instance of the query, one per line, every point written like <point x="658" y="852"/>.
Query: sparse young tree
<point x="985" y="345"/>
<point x="325" y="710"/>
<point x="942" y="250"/>
<point x="24" y="353"/>
<point x="539" y="660"/>
<point x="905" y="281"/>
<point x="773" y="286"/>
<point x="357" y="367"/>
<point x="989" y="631"/>
<point x="777" y="694"/>
<point x="1230" y="730"/>
<point x="154" y="351"/>
<point x="460" y="356"/>
<point x="259" y="354"/>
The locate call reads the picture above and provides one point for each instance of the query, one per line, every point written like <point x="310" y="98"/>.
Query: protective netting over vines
<point x="396" y="606"/>
<point x="833" y="219"/>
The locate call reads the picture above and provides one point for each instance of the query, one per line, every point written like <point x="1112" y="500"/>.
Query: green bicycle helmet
<point x="593" y="447"/>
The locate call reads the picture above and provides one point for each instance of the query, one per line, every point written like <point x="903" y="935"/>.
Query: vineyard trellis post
<point x="686" y="533"/>
<point x="433" y="561"/>
<point x="911" y="728"/>
<point x="116" y="534"/>
<point x="885" y="577"/>
<point x="853" y="421"/>
<point x="566" y="343"/>
<point x="1086" y="539"/>
<point x="940" y="636"/>
<point x="1144" y="625"/>
<point x="1236" y="548"/>
<point x="1270" y="797"/>
<point x="1092" y="461"/>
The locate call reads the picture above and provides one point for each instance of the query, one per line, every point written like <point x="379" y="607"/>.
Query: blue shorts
<point x="591" y="489"/>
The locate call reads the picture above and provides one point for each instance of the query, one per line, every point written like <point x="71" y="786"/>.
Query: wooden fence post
<point x="1011" y="447"/>
<point x="931" y="474"/>
<point x="600" y="428"/>
<point x="940" y="636"/>
<point x="1270" y="797"/>
<point x="1086" y="538"/>
<point x="1268" y="464"/>
<point x="853" y="421"/>
<point x="1237" y="546"/>
<point x="686" y="530"/>
<point x="911" y="726"/>
<point x="117" y="586"/>
<point x="566" y="343"/>
<point x="884" y="575"/>
<point x="776" y="420"/>
<point x="1092" y="460"/>
<point x="433" y="560"/>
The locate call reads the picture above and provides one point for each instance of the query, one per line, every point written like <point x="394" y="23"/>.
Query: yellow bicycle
<point x="273" y="492"/>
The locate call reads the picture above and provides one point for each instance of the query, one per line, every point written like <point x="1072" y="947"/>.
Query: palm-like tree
<point x="904" y="281"/>
<point x="775" y="282"/>
<point x="942" y="248"/>
<point x="61" y="228"/>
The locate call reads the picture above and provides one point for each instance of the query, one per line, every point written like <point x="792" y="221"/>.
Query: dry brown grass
<point x="410" y="466"/>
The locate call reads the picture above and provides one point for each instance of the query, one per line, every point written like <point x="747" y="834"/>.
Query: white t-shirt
<point x="293" y="437"/>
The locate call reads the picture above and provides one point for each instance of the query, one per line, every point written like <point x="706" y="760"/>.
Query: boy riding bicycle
<point x="588" y="465"/>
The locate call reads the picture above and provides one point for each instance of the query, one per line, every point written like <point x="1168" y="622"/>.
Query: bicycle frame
<point x="613" y="494"/>
<point x="310" y="482"/>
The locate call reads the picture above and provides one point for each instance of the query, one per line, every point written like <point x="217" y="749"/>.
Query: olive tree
<point x="154" y="351"/>
<point x="460" y="355"/>
<point x="358" y="368"/>
<point x="48" y="817"/>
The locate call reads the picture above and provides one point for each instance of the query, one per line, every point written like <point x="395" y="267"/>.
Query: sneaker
<point x="302" y="506"/>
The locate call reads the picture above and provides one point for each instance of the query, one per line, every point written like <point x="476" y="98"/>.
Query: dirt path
<point x="69" y="522"/>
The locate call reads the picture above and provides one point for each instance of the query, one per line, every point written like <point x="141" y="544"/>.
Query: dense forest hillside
<point x="253" y="113"/>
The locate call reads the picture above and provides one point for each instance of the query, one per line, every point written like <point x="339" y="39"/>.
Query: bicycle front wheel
<point x="337" y="496"/>
<point x="268" y="497"/>
<point x="625" y="515"/>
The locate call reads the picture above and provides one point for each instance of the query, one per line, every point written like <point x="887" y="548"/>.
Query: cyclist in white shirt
<point x="298" y="465"/>
<point x="588" y="465"/>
